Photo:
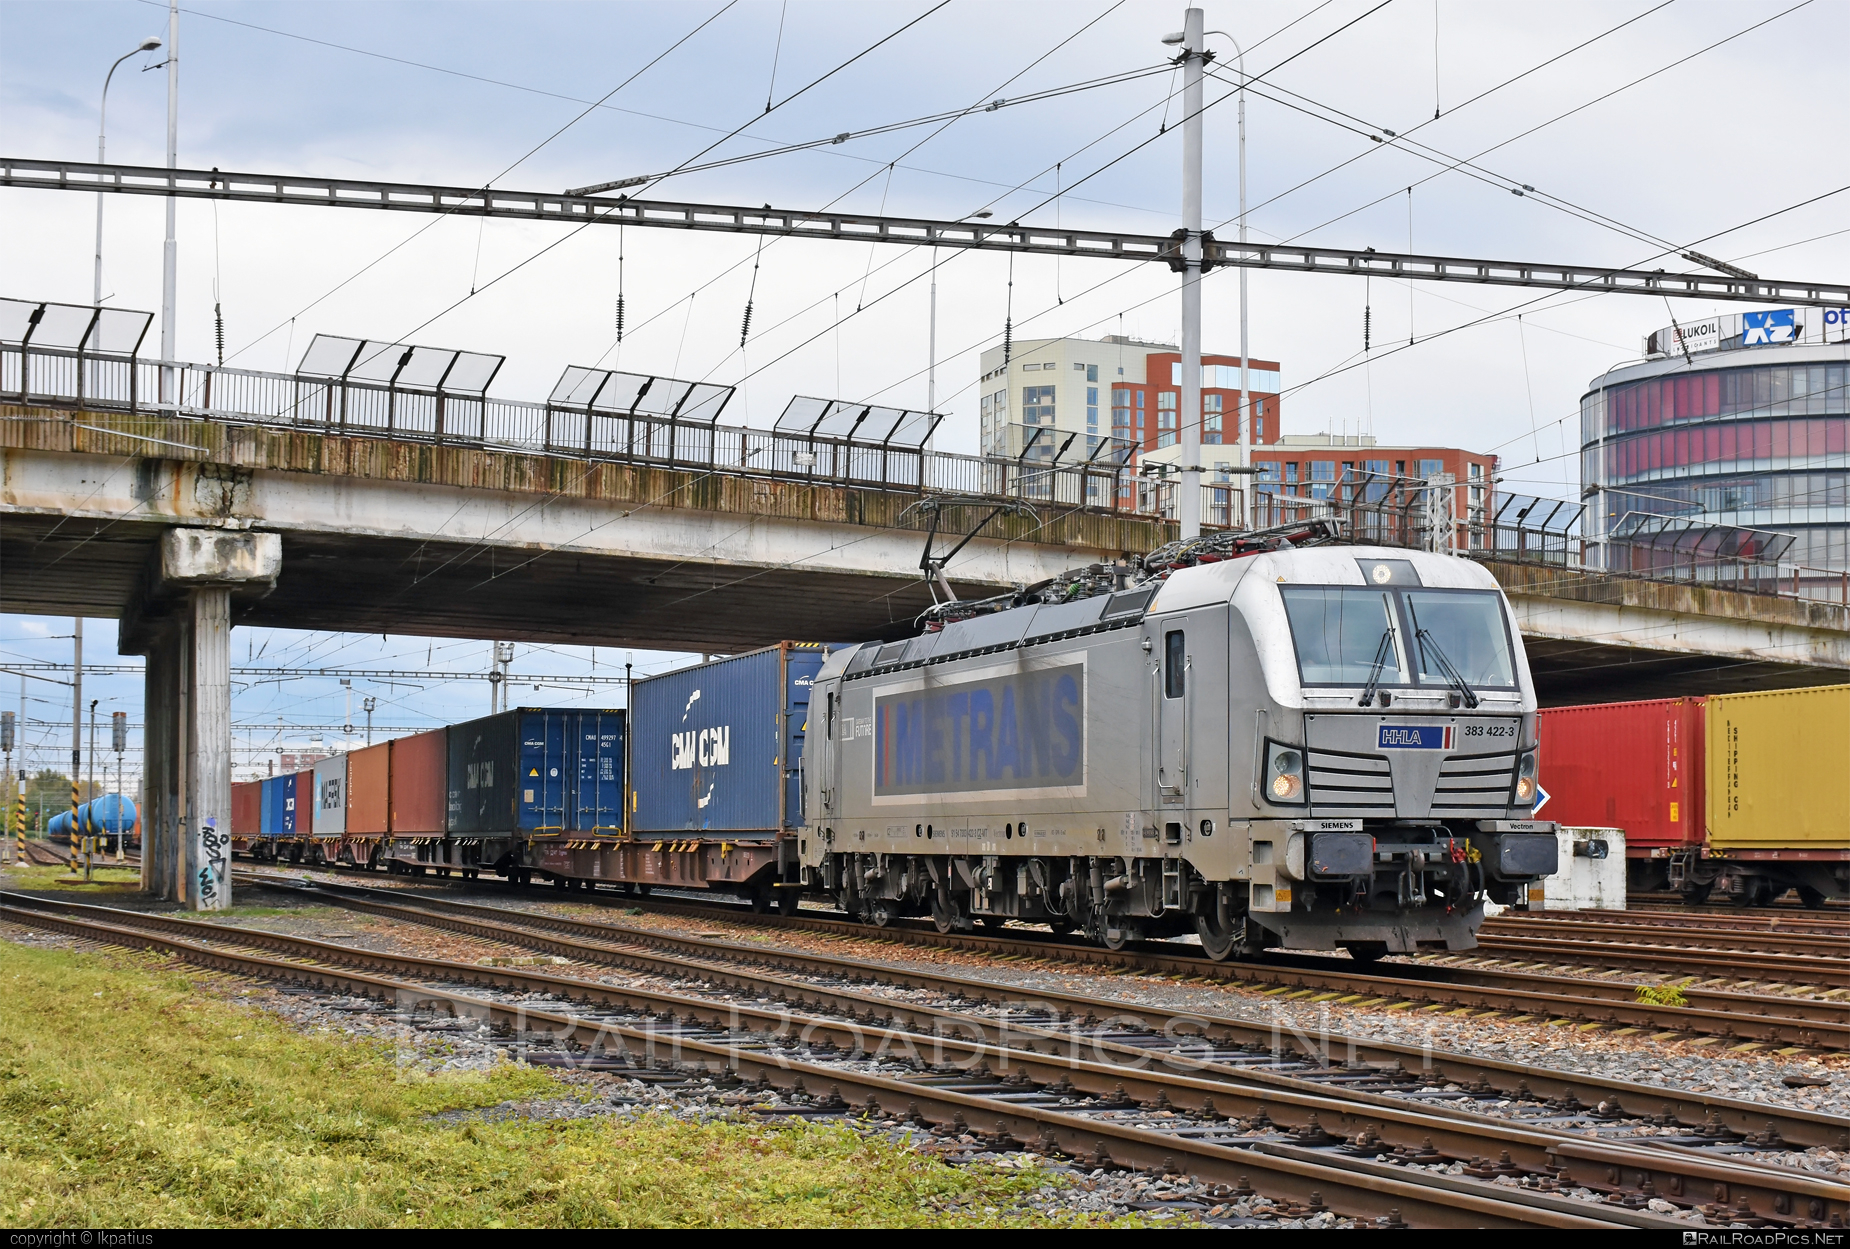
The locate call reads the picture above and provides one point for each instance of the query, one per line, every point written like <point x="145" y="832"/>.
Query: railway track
<point x="1033" y="1073"/>
<point x="1493" y="1078"/>
<point x="1770" y="932"/>
<point x="42" y="854"/>
<point x="1802" y="955"/>
<point x="1733" y="1016"/>
<point x="1718" y="906"/>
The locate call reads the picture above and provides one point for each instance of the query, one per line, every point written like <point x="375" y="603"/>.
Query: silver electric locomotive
<point x="1262" y="744"/>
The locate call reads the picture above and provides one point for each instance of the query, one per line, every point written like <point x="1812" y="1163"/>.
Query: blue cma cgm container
<point x="716" y="747"/>
<point x="537" y="771"/>
<point x="280" y="806"/>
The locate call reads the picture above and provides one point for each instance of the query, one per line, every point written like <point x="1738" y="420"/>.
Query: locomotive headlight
<point x="1525" y="780"/>
<point x="1284" y="774"/>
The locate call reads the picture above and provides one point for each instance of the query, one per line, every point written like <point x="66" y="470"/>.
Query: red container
<point x="1635" y="766"/>
<point x="246" y="809"/>
<point x="369" y="791"/>
<point x="420" y="783"/>
<point x="305" y="803"/>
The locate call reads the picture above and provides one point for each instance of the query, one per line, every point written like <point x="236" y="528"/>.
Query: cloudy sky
<point x="1645" y="128"/>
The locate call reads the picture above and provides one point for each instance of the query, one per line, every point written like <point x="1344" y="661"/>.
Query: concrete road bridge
<point x="184" y="501"/>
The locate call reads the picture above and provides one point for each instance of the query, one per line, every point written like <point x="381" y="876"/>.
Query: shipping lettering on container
<point x="709" y="748"/>
<point x="1024" y="731"/>
<point x="481" y="774"/>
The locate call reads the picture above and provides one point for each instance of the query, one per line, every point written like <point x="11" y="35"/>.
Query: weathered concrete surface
<point x="382" y="535"/>
<point x="1595" y="637"/>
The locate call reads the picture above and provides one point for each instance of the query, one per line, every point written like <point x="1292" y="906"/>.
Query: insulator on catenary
<point x="619" y="318"/>
<point x="218" y="318"/>
<point x="1008" y="335"/>
<point x="745" y="327"/>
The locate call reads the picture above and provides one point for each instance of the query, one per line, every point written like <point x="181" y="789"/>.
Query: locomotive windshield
<point x="1357" y="636"/>
<point x="1345" y="635"/>
<point x="1462" y="630"/>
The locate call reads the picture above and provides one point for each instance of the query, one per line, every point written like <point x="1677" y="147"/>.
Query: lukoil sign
<point x="1695" y="336"/>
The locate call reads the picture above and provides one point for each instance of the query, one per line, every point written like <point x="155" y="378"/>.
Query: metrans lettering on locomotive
<point x="1019" y="732"/>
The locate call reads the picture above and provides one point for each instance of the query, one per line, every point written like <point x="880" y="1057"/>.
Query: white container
<point x="1592" y="875"/>
<point x="330" y="818"/>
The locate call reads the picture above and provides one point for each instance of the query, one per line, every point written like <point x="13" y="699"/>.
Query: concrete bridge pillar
<point x="182" y="624"/>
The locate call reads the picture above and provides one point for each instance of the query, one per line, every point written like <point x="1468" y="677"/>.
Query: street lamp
<point x="102" y="111"/>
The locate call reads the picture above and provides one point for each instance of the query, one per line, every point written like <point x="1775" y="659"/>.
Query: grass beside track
<point x="106" y="880"/>
<point x="130" y="1097"/>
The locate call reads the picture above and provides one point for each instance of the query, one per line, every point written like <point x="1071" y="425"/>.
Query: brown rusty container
<point x="369" y="791"/>
<point x="420" y="784"/>
<point x="246" y="809"/>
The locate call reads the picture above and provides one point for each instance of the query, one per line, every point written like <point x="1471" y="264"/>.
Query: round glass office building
<point x="1725" y="452"/>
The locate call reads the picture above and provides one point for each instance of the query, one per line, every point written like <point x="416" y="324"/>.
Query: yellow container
<point x="1779" y="769"/>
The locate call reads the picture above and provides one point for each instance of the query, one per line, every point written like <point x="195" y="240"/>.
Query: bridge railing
<point x="59" y="378"/>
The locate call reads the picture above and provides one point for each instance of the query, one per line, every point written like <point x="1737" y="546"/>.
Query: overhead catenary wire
<point x="570" y="99"/>
<point x="777" y="50"/>
<point x="990" y="94"/>
<point x="583" y="226"/>
<point x="1063" y="191"/>
<point x="1562" y="116"/>
<point x="528" y="155"/>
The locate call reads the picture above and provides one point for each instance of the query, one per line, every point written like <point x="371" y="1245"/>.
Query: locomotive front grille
<point x="1471" y="784"/>
<point x="1341" y="782"/>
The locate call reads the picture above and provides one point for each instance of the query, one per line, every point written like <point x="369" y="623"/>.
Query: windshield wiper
<point x="1446" y="669"/>
<point x="1382" y="653"/>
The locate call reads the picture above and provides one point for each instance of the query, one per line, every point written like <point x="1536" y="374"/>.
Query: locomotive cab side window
<point x="1175" y="664"/>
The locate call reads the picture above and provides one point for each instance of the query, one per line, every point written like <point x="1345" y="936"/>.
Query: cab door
<point x="1172" y="679"/>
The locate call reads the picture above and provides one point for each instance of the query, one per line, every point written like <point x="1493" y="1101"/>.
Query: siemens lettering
<point x="1022" y="731"/>
<point x="710" y="748"/>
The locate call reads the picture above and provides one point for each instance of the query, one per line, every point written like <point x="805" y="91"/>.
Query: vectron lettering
<point x="1021" y="731"/>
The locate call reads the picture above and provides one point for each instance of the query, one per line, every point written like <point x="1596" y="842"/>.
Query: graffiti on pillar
<point x="214" y="859"/>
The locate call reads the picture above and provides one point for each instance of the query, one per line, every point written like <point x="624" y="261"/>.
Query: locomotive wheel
<point x="881" y="912"/>
<point x="943" y="918"/>
<point x="1218" y="943"/>
<point x="1367" y="951"/>
<point x="1061" y="927"/>
<point x="1811" y="898"/>
<point x="1696" y="895"/>
<point x="1116" y="938"/>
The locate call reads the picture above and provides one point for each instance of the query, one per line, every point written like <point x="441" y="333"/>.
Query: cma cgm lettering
<point x="1023" y="731"/>
<point x="709" y="748"/>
